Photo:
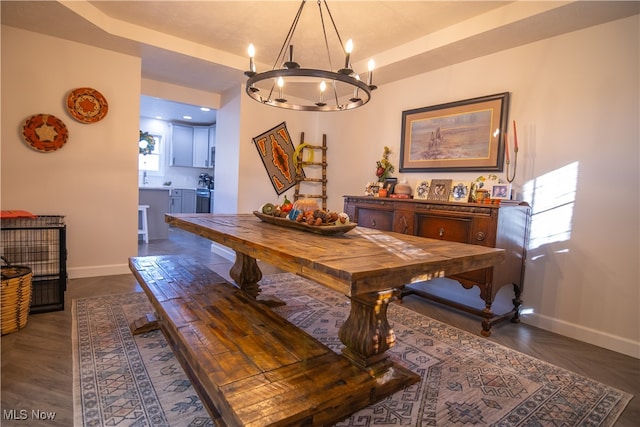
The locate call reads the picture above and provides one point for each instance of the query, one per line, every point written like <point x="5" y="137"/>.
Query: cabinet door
<point x="176" y="204"/>
<point x="212" y="147"/>
<point x="188" y="201"/>
<point x="201" y="147"/>
<point x="182" y="146"/>
<point x="374" y="218"/>
<point x="443" y="227"/>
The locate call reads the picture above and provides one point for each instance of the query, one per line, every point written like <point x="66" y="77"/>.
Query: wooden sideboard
<point x="504" y="226"/>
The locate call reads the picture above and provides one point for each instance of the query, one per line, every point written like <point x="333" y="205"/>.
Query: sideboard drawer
<point x="444" y="228"/>
<point x="374" y="218"/>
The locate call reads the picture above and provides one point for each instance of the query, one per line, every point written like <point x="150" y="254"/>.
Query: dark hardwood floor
<point x="37" y="370"/>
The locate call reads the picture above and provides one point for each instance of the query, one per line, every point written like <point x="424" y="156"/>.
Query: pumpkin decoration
<point x="305" y="205"/>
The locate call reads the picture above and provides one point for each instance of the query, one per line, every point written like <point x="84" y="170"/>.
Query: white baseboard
<point x="223" y="251"/>
<point x="581" y="333"/>
<point x="98" y="270"/>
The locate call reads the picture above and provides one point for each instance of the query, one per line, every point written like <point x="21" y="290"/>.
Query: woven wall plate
<point x="87" y="105"/>
<point x="45" y="132"/>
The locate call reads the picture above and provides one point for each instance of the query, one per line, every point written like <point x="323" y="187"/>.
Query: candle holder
<point x="515" y="165"/>
<point x="515" y="153"/>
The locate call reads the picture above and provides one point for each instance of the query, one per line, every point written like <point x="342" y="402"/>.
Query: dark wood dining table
<point x="368" y="266"/>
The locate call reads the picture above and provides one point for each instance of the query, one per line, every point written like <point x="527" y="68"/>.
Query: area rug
<point x="126" y="380"/>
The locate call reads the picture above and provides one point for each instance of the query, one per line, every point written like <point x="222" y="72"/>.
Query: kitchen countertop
<point x="165" y="188"/>
<point x="155" y="188"/>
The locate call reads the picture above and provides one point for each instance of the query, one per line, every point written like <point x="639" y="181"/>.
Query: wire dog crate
<point x="39" y="243"/>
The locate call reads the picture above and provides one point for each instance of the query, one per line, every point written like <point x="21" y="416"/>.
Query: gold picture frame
<point x="460" y="136"/>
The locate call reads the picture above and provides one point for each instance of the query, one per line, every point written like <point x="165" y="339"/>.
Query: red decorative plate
<point x="87" y="105"/>
<point x="44" y="132"/>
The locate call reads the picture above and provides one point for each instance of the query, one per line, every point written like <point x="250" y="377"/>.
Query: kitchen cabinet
<point x="182" y="201"/>
<point x="191" y="146"/>
<point x="181" y="146"/>
<point x="504" y="225"/>
<point x="158" y="201"/>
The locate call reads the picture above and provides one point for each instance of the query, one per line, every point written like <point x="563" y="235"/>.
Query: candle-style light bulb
<point x="371" y="66"/>
<point x="280" y="83"/>
<point x="323" y="87"/>
<point x="355" y="97"/>
<point x="252" y="53"/>
<point x="348" y="48"/>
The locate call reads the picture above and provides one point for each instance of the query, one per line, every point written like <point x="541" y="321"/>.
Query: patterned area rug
<point x="125" y="380"/>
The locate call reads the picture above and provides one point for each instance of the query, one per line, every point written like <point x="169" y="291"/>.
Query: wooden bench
<point x="250" y="366"/>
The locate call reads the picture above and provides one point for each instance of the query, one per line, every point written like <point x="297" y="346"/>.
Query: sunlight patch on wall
<point x="552" y="198"/>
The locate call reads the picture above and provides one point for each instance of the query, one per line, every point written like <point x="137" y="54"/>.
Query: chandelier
<point x="288" y="85"/>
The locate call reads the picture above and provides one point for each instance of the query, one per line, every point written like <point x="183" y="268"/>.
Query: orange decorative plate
<point x="87" y="105"/>
<point x="44" y="132"/>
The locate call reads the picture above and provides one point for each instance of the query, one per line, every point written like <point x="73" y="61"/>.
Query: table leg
<point x="367" y="334"/>
<point x="246" y="273"/>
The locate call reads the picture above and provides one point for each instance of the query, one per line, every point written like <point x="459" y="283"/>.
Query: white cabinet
<point x="201" y="147"/>
<point x="212" y="147"/>
<point x="188" y="201"/>
<point x="191" y="146"/>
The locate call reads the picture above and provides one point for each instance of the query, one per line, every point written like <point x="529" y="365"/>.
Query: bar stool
<point x="144" y="226"/>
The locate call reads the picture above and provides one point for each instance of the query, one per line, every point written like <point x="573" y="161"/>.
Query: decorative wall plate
<point x="87" y="105"/>
<point x="45" y="132"/>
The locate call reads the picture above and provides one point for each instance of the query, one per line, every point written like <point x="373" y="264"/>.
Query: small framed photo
<point x="501" y="191"/>
<point x="439" y="190"/>
<point x="460" y="192"/>
<point x="372" y="189"/>
<point x="390" y="184"/>
<point x="422" y="190"/>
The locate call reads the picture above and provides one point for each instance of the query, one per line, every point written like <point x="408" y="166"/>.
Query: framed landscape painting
<point x="459" y="136"/>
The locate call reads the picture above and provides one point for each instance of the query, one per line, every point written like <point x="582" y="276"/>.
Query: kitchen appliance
<point x="204" y="180"/>
<point x="203" y="193"/>
<point x="203" y="200"/>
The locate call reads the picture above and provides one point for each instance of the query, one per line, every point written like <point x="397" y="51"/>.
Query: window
<point x="152" y="163"/>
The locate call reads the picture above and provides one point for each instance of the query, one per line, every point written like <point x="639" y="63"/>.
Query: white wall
<point x="575" y="98"/>
<point x="92" y="180"/>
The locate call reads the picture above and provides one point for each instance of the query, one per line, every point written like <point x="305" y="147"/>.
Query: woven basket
<point x="15" y="297"/>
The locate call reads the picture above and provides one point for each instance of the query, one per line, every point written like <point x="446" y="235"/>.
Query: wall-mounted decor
<point x="459" y="136"/>
<point x="87" y="105"/>
<point x="439" y="190"/>
<point x="460" y="191"/>
<point x="277" y="153"/>
<point x="45" y="132"/>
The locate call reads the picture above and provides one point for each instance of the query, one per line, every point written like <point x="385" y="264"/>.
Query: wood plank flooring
<point x="36" y="368"/>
